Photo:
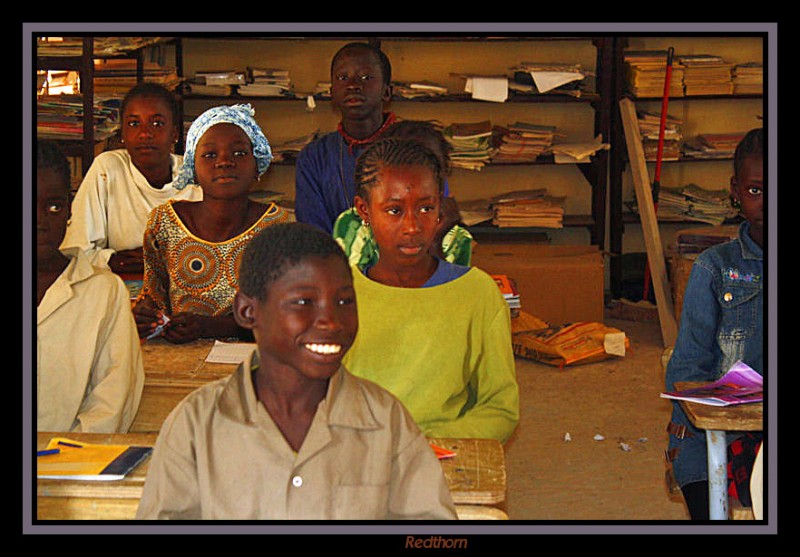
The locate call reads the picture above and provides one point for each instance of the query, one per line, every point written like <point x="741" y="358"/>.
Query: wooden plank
<point x="740" y="417"/>
<point x="477" y="474"/>
<point x="650" y="230"/>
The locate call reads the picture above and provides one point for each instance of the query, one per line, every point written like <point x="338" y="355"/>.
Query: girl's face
<point x="224" y="162"/>
<point x="748" y="188"/>
<point x="52" y="212"/>
<point x="308" y="320"/>
<point x="403" y="210"/>
<point x="357" y="86"/>
<point x="148" y="131"/>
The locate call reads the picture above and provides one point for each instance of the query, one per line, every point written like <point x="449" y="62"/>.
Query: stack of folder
<point x="216" y="83"/>
<point x="267" y="82"/>
<point x="650" y="128"/>
<point x="713" y="145"/>
<point x="115" y="76"/>
<point x="706" y="74"/>
<point x="693" y="203"/>
<point x="472" y="144"/>
<point x="61" y="117"/>
<point x="522" y="142"/>
<point x="418" y="90"/>
<point x="748" y="79"/>
<point x="528" y="208"/>
<point x="646" y="70"/>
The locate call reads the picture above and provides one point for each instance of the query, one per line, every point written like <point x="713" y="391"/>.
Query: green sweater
<point x="444" y="351"/>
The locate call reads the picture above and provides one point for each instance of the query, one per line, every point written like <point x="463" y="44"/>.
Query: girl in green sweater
<point x="435" y="334"/>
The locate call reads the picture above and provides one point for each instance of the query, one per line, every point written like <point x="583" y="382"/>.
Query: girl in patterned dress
<point x="192" y="249"/>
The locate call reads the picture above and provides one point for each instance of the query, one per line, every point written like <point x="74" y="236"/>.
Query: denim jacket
<point x="721" y="322"/>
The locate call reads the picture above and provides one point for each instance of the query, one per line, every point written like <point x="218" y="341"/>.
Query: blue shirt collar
<point x="750" y="250"/>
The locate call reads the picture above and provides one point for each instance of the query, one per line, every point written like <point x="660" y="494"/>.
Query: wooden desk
<point x="716" y="420"/>
<point x="172" y="371"/>
<point x="476" y="477"/>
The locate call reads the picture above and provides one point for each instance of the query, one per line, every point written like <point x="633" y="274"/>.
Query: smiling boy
<point x="291" y="434"/>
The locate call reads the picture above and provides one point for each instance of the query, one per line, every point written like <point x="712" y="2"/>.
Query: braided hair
<point x="426" y="132"/>
<point x="394" y="152"/>
<point x="276" y="249"/>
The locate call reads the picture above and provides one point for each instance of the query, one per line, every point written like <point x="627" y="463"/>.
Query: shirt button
<point x="728" y="296"/>
<point x="297" y="481"/>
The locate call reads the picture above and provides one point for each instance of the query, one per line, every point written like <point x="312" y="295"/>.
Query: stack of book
<point x="646" y="71"/>
<point x="706" y="74"/>
<point x="103" y="46"/>
<point x="417" y="90"/>
<point x="712" y="146"/>
<point x="61" y="117"/>
<point x="748" y="79"/>
<point x="650" y="127"/>
<point x="528" y="208"/>
<point x="555" y="78"/>
<point x="217" y="83"/>
<point x="322" y="90"/>
<point x="521" y="142"/>
<point x="693" y="203"/>
<point x="471" y="142"/>
<point x="267" y="82"/>
<point x="288" y="150"/>
<point x="115" y="76"/>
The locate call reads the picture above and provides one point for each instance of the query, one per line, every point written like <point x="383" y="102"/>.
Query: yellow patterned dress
<point x="184" y="273"/>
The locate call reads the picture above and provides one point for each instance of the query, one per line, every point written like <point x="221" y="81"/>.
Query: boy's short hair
<point x="751" y="144"/>
<point x="276" y="249"/>
<point x="49" y="155"/>
<point x="383" y="60"/>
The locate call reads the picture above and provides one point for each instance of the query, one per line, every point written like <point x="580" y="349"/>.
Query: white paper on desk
<point x="230" y="352"/>
<point x="547" y="81"/>
<point x="488" y="88"/>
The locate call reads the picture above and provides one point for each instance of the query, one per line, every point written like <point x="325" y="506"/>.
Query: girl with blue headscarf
<point x="192" y="249"/>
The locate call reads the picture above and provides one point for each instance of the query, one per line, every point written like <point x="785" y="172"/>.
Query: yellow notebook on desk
<point x="65" y="459"/>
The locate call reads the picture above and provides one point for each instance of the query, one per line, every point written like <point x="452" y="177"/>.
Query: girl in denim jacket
<point x="721" y="321"/>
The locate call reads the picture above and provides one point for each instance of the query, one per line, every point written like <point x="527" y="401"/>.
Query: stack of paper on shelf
<point x="713" y="145"/>
<point x="693" y="203"/>
<point x="649" y="127"/>
<point x="541" y="77"/>
<point x="521" y="142"/>
<point x="419" y="89"/>
<point x="322" y="90"/>
<point x="61" y="117"/>
<point x="487" y="88"/>
<point x="528" y="208"/>
<point x="577" y="153"/>
<point x="288" y="150"/>
<point x="748" y="79"/>
<point x="646" y="72"/>
<point x="103" y="46"/>
<point x="706" y="74"/>
<point x="267" y="82"/>
<point x="118" y="75"/>
<point x="475" y="211"/>
<point x="471" y="142"/>
<point x="217" y="83"/>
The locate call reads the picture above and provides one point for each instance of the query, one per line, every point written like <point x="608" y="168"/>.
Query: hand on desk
<point x="127" y="261"/>
<point x="182" y="327"/>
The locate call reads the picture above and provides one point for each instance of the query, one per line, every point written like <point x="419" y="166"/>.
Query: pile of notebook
<point x="693" y="203"/>
<point x="266" y="82"/>
<point x="712" y="145"/>
<point x="528" y="208"/>
<point x="748" y="79"/>
<point x="61" y="117"/>
<point x="521" y="142"/>
<point x="646" y="70"/>
<point x="650" y="128"/>
<point x="706" y="74"/>
<point x="471" y="143"/>
<point x="418" y="90"/>
<point x="216" y="83"/>
<point x="116" y="76"/>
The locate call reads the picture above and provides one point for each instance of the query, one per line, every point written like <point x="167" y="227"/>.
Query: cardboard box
<point x="559" y="284"/>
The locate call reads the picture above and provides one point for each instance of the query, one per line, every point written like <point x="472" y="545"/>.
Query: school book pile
<point x="646" y="71"/>
<point x="741" y="384"/>
<point x="528" y="208"/>
<point x="508" y="289"/>
<point x="706" y="74"/>
<point x="118" y="75"/>
<point x="543" y="77"/>
<point x="650" y="126"/>
<point x="103" y="46"/>
<point x="748" y="78"/>
<point x="521" y="142"/>
<point x="215" y="82"/>
<point x="712" y="145"/>
<point x="267" y="82"/>
<point x="288" y="150"/>
<point x="577" y="153"/>
<point x="67" y="459"/>
<point x="471" y="143"/>
<point x="418" y="90"/>
<point x="693" y="203"/>
<point x="61" y="117"/>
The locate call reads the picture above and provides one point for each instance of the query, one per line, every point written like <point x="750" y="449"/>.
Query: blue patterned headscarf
<point x="240" y="114"/>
